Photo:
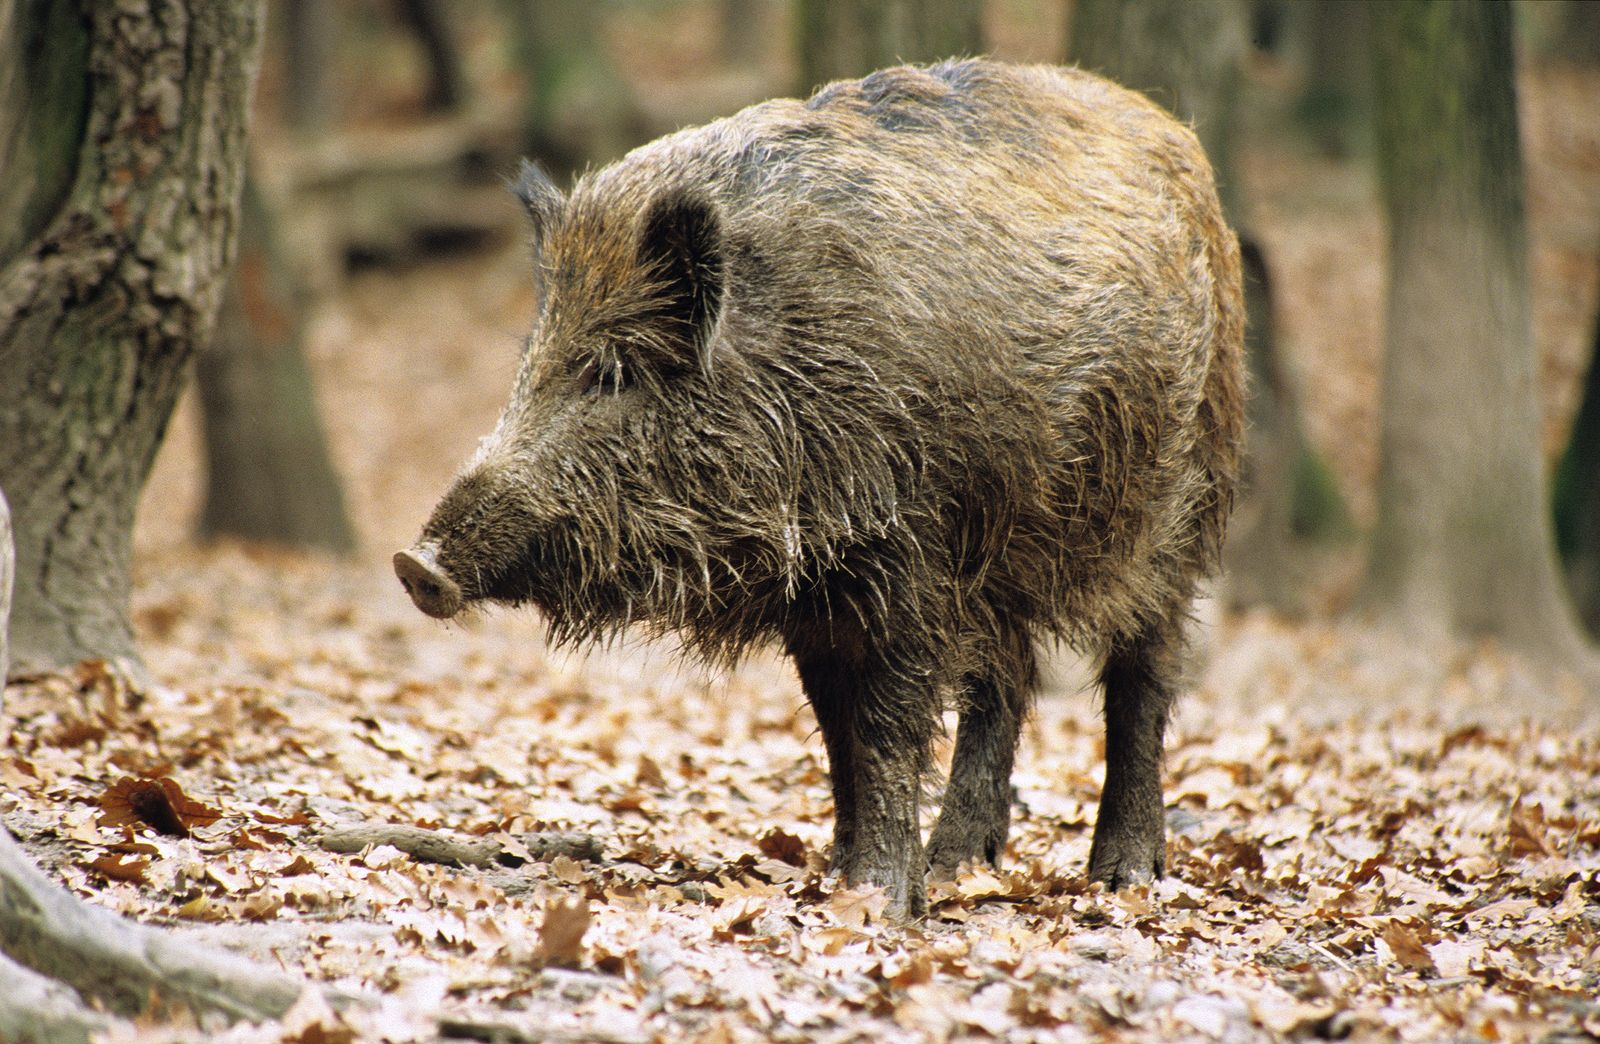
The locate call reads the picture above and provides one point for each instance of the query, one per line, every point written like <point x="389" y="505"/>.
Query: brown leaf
<point x="118" y="869"/>
<point x="650" y="774"/>
<point x="561" y="934"/>
<point x="780" y="844"/>
<point x="301" y="865"/>
<point x="157" y="803"/>
<point x="1407" y="948"/>
<point x="568" y="870"/>
<point x="294" y="819"/>
<point x="855" y="907"/>
<point x="1526" y="831"/>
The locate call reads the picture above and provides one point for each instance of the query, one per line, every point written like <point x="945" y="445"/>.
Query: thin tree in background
<point x="578" y="107"/>
<point x="1577" y="499"/>
<point x="740" y="23"/>
<point x="840" y="39"/>
<point x="430" y="23"/>
<point x="7" y="560"/>
<point x="310" y="30"/>
<point x="269" y="475"/>
<point x="1463" y="542"/>
<point x="1336" y="104"/>
<point x="111" y="258"/>
<point x="1188" y="56"/>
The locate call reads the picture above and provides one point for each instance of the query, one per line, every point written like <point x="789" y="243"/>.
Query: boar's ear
<point x="542" y="200"/>
<point x="680" y="241"/>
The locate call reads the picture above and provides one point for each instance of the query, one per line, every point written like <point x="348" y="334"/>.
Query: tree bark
<point x="1463" y="542"/>
<point x="129" y="223"/>
<point x="1188" y="56"/>
<point x="269" y="475"/>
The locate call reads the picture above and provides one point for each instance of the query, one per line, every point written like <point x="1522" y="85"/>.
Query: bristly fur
<point x="916" y="372"/>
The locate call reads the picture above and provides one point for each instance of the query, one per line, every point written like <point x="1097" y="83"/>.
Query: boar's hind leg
<point x="1140" y="677"/>
<point x="877" y="741"/>
<point x="976" y="816"/>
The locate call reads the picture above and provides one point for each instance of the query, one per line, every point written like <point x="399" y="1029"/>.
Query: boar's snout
<point x="432" y="591"/>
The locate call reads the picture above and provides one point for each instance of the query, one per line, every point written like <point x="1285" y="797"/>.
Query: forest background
<point x="1381" y="790"/>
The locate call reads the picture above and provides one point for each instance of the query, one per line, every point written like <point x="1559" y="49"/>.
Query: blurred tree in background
<point x="1577" y="499"/>
<point x="846" y="38"/>
<point x="1463" y="541"/>
<point x="578" y="107"/>
<point x="269" y="475"/>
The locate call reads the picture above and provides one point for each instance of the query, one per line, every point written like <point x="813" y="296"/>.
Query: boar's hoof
<point x="432" y="591"/>
<point x="1119" y="862"/>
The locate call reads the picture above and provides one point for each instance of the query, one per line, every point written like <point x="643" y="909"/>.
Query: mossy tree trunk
<point x="1463" y="543"/>
<point x="126" y="127"/>
<point x="269" y="476"/>
<point x="1188" y="56"/>
<point x="841" y="39"/>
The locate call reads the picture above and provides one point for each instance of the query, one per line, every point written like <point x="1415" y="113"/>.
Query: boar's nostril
<point x="432" y="591"/>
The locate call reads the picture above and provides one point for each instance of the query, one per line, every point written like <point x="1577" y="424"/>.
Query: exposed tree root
<point x="34" y="1007"/>
<point x="116" y="961"/>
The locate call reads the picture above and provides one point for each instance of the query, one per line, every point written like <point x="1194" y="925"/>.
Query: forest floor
<point x="1368" y="838"/>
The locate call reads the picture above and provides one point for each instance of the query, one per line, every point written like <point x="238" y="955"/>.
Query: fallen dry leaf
<point x="158" y="803"/>
<point x="561" y="933"/>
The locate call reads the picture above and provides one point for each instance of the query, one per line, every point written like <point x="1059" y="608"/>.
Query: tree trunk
<point x="741" y="26"/>
<point x="7" y="556"/>
<point x="840" y="39"/>
<point x="269" y="476"/>
<point x="1463" y="542"/>
<point x="433" y="29"/>
<point x="117" y="238"/>
<point x="1188" y="56"/>
<point x="1577" y="500"/>
<point x="579" y="109"/>
<point x="310" y="33"/>
<point x="1336" y="104"/>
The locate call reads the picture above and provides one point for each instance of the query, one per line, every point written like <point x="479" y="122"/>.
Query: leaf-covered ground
<point x="1389" y="874"/>
<point x="1367" y="838"/>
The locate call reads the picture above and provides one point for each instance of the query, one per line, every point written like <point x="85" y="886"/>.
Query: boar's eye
<point x="600" y="378"/>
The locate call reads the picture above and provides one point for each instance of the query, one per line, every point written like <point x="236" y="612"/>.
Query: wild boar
<point x="906" y="377"/>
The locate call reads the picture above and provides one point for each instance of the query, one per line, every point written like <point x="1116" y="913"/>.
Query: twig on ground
<point x="431" y="846"/>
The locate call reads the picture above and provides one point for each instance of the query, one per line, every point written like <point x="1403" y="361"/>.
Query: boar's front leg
<point x="877" y="734"/>
<point x="1130" y="833"/>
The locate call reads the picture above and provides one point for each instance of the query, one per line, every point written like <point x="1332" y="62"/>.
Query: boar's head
<point x="630" y="477"/>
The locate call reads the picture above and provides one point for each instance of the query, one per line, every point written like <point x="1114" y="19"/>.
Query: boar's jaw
<point x="430" y="588"/>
